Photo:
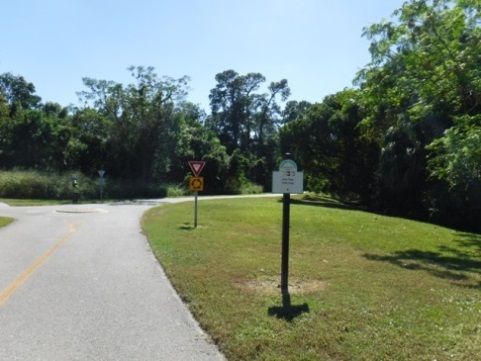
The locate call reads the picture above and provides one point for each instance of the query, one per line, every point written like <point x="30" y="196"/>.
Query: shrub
<point x="21" y="184"/>
<point x="174" y="190"/>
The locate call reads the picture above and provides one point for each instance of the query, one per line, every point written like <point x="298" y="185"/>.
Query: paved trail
<point x="79" y="282"/>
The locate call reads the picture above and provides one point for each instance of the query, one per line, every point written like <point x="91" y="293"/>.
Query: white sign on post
<point x="287" y="180"/>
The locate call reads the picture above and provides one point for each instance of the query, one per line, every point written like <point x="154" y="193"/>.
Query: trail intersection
<point x="79" y="282"/>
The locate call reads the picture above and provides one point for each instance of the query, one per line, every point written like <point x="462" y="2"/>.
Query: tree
<point x="247" y="122"/>
<point x="424" y="74"/>
<point x="31" y="139"/>
<point x="142" y="121"/>
<point x="294" y="110"/>
<point x="423" y="65"/>
<point x="193" y="141"/>
<point x="455" y="164"/>
<point x="88" y="146"/>
<point x="327" y="144"/>
<point x="16" y="91"/>
<point x="270" y="111"/>
<point x="54" y="109"/>
<point x="233" y="104"/>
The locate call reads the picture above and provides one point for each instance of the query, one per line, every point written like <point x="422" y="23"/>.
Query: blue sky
<point x="315" y="44"/>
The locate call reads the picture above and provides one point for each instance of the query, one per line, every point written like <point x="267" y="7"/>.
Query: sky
<point x="317" y="45"/>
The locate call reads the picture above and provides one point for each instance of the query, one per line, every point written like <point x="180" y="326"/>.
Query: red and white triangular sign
<point x="196" y="166"/>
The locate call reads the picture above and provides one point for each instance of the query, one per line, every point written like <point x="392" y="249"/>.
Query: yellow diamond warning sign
<point x="196" y="184"/>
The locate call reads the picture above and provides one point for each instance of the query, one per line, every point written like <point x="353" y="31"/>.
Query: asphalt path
<point x="79" y="282"/>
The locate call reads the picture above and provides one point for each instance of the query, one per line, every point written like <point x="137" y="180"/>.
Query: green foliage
<point x="232" y="102"/>
<point x="21" y="184"/>
<point x="142" y="134"/>
<point x="327" y="144"/>
<point x="251" y="188"/>
<point x="88" y="145"/>
<point x="456" y="157"/>
<point x="137" y="124"/>
<point x="405" y="141"/>
<point x="131" y="189"/>
<point x="195" y="142"/>
<point x="423" y="76"/>
<point x="455" y="162"/>
<point x="401" y="168"/>
<point x="294" y="110"/>
<point x="17" y="92"/>
<point x="247" y="121"/>
<point x="43" y="185"/>
<point x="176" y="190"/>
<point x="33" y="139"/>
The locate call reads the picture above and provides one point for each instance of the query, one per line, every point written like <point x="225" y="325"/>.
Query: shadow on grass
<point x="288" y="311"/>
<point x="461" y="264"/>
<point x="320" y="201"/>
<point x="187" y="227"/>
<point x="327" y="202"/>
<point x="470" y="240"/>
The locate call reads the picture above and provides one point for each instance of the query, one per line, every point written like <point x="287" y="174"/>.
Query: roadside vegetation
<point x="23" y="185"/>
<point x="5" y="221"/>
<point x="404" y="140"/>
<point x="32" y="202"/>
<point x="363" y="286"/>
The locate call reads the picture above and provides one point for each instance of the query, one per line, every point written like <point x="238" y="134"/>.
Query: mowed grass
<point x="5" y="221"/>
<point x="363" y="286"/>
<point x="32" y="202"/>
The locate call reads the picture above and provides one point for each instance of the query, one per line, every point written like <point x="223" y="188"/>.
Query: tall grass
<point x="21" y="184"/>
<point x="42" y="185"/>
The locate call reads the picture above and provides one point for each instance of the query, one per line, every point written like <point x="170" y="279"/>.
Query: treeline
<point x="406" y="140"/>
<point x="146" y="131"/>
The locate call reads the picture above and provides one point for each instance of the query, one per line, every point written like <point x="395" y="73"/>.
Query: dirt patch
<point x="272" y="286"/>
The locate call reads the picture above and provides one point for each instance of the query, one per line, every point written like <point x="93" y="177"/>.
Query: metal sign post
<point x="196" y="183"/>
<point x="286" y="181"/>
<point x="101" y="182"/>
<point x="196" y="193"/>
<point x="286" y="215"/>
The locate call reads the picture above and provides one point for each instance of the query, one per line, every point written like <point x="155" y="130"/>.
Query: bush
<point x="128" y="189"/>
<point x="22" y="184"/>
<point x="251" y="188"/>
<point x="174" y="190"/>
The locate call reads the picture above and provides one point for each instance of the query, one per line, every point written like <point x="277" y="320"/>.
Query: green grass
<point x="32" y="202"/>
<point x="4" y="221"/>
<point x="175" y="190"/>
<point x="363" y="286"/>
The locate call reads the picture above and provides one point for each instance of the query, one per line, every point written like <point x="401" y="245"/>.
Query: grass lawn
<point x="5" y="221"/>
<point x="363" y="286"/>
<point x="32" y="202"/>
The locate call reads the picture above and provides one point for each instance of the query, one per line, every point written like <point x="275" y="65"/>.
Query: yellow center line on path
<point x="10" y="290"/>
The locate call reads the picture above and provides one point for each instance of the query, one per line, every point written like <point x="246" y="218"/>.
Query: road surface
<point x="79" y="282"/>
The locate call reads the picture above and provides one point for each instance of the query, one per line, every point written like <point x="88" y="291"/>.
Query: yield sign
<point x="196" y="166"/>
